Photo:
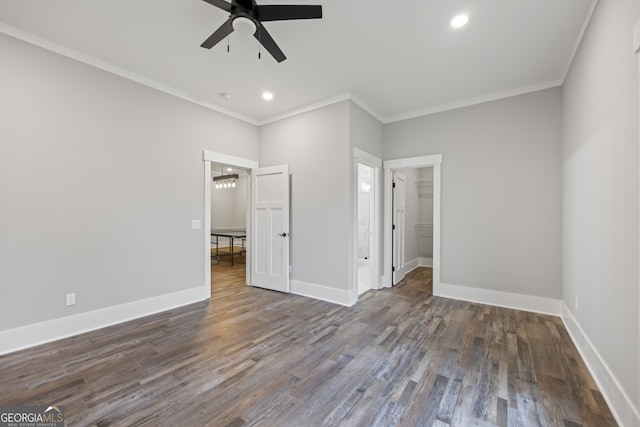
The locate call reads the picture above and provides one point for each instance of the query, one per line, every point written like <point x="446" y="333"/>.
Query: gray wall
<point x="365" y="131"/>
<point x="100" y="178"/>
<point x="501" y="190"/>
<point x="600" y="184"/>
<point x="315" y="145"/>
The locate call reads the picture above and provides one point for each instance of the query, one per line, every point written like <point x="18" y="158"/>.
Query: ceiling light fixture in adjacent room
<point x="225" y="181"/>
<point x="267" y="96"/>
<point x="459" y="21"/>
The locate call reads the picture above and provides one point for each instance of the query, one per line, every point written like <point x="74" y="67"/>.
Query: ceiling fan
<point x="246" y="17"/>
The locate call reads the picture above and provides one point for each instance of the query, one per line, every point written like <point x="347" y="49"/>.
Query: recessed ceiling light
<point x="267" y="96"/>
<point x="459" y="21"/>
<point x="229" y="169"/>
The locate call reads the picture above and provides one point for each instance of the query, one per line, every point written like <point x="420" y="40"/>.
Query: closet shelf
<point x="424" y="230"/>
<point x="424" y="188"/>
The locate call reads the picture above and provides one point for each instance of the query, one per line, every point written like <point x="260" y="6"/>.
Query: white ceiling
<point x="397" y="59"/>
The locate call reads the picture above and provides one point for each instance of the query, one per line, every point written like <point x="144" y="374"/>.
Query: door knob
<point x="283" y="234"/>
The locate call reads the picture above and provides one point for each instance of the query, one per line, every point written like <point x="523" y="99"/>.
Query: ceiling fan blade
<point x="221" y="4"/>
<point x="281" y="12"/>
<point x="222" y="32"/>
<point x="267" y="41"/>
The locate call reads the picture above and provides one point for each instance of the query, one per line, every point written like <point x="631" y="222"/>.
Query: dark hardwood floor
<point x="255" y="357"/>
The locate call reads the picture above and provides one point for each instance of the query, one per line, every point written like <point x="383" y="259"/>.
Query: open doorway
<point x="210" y="159"/>
<point x="366" y="222"/>
<point x="365" y="231"/>
<point x="229" y="213"/>
<point x="412" y="228"/>
<point x="421" y="181"/>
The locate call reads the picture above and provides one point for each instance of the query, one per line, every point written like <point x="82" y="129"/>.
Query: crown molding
<point x="356" y="100"/>
<point x="305" y="109"/>
<point x="129" y="75"/>
<point x="41" y="42"/>
<point x="583" y="30"/>
<point x="472" y="101"/>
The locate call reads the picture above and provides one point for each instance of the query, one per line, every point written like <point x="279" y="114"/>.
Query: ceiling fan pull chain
<point x="228" y="35"/>
<point x="259" y="42"/>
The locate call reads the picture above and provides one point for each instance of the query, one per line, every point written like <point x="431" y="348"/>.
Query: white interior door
<point x="399" y="205"/>
<point x="270" y="228"/>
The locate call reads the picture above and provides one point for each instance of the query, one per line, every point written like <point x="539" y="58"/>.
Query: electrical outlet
<point x="196" y="224"/>
<point x="576" y="304"/>
<point x="71" y="299"/>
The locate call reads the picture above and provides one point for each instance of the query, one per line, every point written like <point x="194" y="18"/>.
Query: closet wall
<point x="424" y="226"/>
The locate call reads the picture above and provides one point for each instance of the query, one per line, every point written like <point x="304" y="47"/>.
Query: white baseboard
<point x="40" y="333"/>
<point x="425" y="262"/>
<point x="411" y="265"/>
<point x="623" y="409"/>
<point x="324" y="293"/>
<point x="500" y="299"/>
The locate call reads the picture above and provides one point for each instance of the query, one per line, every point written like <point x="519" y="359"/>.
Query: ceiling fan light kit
<point x="246" y="17"/>
<point x="244" y="26"/>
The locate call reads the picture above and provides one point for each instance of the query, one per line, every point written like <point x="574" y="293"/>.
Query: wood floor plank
<point x="252" y="357"/>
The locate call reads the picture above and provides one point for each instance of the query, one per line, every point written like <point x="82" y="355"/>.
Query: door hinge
<point x="394" y="184"/>
<point x="393" y="227"/>
<point x="393" y="269"/>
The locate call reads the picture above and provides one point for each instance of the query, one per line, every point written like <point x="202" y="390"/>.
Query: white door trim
<point x="360" y="156"/>
<point x="212" y="157"/>
<point x="636" y="50"/>
<point x="389" y="166"/>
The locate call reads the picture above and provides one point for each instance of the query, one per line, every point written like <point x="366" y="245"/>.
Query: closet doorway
<point x="425" y="230"/>
<point x="412" y="227"/>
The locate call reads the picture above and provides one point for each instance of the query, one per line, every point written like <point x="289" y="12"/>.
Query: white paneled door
<point x="270" y="228"/>
<point x="399" y="205"/>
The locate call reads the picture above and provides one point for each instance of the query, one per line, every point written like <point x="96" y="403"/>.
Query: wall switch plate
<point x="196" y="224"/>
<point x="71" y="299"/>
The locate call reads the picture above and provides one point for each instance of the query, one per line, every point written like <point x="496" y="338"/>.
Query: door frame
<point x="361" y="156"/>
<point x="210" y="157"/>
<point x="435" y="161"/>
<point x="636" y="51"/>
